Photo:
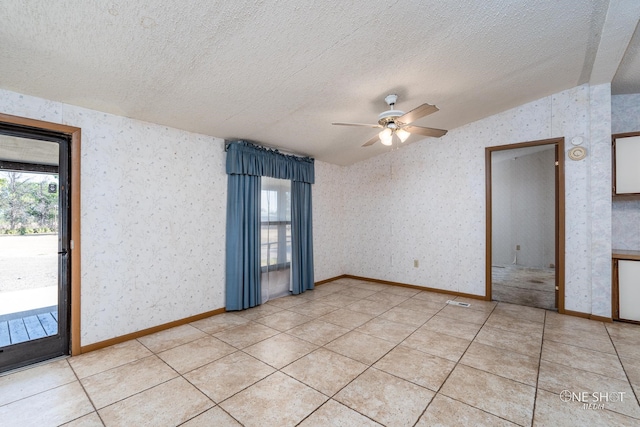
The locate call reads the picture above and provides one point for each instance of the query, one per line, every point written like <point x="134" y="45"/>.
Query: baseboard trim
<point x="322" y="282"/>
<point x="601" y="318"/>
<point x="422" y="288"/>
<point x="587" y="316"/>
<point x="148" y="331"/>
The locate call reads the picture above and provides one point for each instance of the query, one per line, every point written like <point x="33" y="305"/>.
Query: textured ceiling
<point x="279" y="72"/>
<point x="627" y="79"/>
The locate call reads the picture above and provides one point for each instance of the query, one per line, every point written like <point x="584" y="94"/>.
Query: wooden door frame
<point x="74" y="133"/>
<point x="559" y="207"/>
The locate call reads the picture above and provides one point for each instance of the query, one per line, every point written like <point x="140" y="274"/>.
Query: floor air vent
<point x="459" y="303"/>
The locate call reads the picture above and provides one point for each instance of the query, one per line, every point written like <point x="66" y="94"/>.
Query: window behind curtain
<point x="275" y="237"/>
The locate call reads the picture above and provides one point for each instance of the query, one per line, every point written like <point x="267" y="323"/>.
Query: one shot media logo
<point x="593" y="400"/>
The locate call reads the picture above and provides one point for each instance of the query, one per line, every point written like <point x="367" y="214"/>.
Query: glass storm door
<point x="34" y="245"/>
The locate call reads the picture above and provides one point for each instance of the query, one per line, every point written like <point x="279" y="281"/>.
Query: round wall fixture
<point x="577" y="153"/>
<point x="577" y="140"/>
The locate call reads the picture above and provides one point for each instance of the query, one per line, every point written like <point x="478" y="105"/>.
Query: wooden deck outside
<point x="28" y="328"/>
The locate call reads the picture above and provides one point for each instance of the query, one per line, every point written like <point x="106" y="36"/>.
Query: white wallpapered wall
<point x="371" y="219"/>
<point x="153" y="217"/>
<point x="599" y="196"/>
<point x="139" y="178"/>
<point x="328" y="221"/>
<point x="625" y="117"/>
<point x="426" y="201"/>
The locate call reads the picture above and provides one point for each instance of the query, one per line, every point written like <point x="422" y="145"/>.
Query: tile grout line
<point x="180" y="375"/>
<point x="49" y="389"/>
<point x="84" y="390"/>
<point x="623" y="368"/>
<point x="411" y="382"/>
<point x="439" y="391"/>
<point x="580" y="346"/>
<point x="237" y="349"/>
<point x="250" y="321"/>
<point x="503" y="350"/>
<point x="331" y="398"/>
<point x="418" y="327"/>
<point x="545" y="324"/>
<point x="595" y="373"/>
<point x="535" y="397"/>
<point x="369" y="366"/>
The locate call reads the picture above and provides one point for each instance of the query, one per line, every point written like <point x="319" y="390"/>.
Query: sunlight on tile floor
<point x="349" y="353"/>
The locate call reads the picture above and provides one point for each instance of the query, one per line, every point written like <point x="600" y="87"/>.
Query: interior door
<point x="34" y="245"/>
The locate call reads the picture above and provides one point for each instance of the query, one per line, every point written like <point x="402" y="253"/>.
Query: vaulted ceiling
<point x="280" y="71"/>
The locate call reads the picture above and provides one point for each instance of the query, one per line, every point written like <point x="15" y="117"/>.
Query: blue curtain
<point x="243" y="242"/>
<point x="301" y="237"/>
<point x="246" y="163"/>
<point x="245" y="158"/>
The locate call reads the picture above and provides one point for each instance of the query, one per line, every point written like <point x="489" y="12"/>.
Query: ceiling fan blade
<point x="357" y="124"/>
<point x="417" y="113"/>
<point x="436" y="133"/>
<point x="371" y="141"/>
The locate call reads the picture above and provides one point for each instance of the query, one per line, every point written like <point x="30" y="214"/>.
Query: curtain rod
<point x="270" y="147"/>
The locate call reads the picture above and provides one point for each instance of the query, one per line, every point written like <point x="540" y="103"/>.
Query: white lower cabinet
<point x="629" y="290"/>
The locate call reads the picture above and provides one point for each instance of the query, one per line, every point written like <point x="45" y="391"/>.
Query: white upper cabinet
<point x="626" y="152"/>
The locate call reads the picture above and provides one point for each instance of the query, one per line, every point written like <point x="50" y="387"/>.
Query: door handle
<point x="62" y="252"/>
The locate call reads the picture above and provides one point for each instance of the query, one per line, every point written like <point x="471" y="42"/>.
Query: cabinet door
<point x="629" y="289"/>
<point x="627" y="164"/>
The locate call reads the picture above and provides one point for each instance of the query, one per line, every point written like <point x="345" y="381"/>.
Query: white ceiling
<point x="278" y="72"/>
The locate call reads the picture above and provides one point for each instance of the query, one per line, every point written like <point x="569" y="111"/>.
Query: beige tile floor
<point x="350" y="353"/>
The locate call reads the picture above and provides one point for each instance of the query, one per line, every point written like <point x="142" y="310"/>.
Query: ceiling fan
<point x="399" y="123"/>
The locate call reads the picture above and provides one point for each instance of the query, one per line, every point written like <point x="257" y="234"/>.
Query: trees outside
<point x="27" y="203"/>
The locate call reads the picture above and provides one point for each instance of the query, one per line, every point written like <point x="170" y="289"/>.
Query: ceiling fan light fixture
<point x="402" y="134"/>
<point x="395" y="121"/>
<point x="386" y="136"/>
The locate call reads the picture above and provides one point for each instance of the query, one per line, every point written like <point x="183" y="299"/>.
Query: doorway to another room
<point x="525" y="224"/>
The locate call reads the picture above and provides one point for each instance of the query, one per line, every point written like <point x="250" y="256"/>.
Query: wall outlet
<point x="416" y="263"/>
<point x="517" y="247"/>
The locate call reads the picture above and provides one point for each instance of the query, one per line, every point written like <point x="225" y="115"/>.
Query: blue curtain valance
<point x="245" y="158"/>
